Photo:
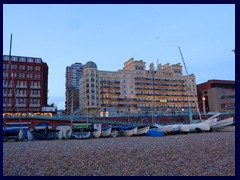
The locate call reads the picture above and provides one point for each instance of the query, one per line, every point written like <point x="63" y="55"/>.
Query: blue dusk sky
<point x="111" y="34"/>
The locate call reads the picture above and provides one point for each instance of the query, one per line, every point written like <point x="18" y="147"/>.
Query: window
<point x="29" y="59"/>
<point x="38" y="60"/>
<point x="6" y="57"/>
<point x="37" y="68"/>
<point x="29" y="75"/>
<point x="14" y="58"/>
<point x="14" y="66"/>
<point x="29" y="68"/>
<point x="5" y="74"/>
<point x="22" y="59"/>
<point x="5" y="66"/>
<point x="21" y="75"/>
<point x="21" y="67"/>
<point x="37" y="76"/>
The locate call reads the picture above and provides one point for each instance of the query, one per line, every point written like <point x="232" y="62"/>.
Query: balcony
<point x="35" y="87"/>
<point x="34" y="105"/>
<point x="20" y="105"/>
<point x="21" y="95"/>
<point x="7" y="105"/>
<point x="7" y="95"/>
<point x="21" y="86"/>
<point x="7" y="86"/>
<point x="35" y="95"/>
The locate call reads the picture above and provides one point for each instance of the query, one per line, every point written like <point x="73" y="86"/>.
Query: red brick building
<point x="25" y="84"/>
<point x="216" y="95"/>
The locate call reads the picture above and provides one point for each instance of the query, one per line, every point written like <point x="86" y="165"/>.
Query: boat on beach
<point x="126" y="130"/>
<point x="163" y="128"/>
<point x="44" y="134"/>
<point x="141" y="130"/>
<point x="82" y="131"/>
<point x="66" y="131"/>
<point x="106" y="131"/>
<point x="223" y="123"/>
<point x="96" y="133"/>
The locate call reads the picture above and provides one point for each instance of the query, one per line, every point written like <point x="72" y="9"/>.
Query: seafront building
<point x="216" y="96"/>
<point x="25" y="84"/>
<point x="73" y="74"/>
<point x="135" y="89"/>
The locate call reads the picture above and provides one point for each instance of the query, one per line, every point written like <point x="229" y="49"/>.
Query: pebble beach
<point x="193" y="154"/>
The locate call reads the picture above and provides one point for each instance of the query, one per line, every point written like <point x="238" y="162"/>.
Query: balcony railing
<point x="9" y="86"/>
<point x="7" y="95"/>
<point x="7" y="105"/>
<point x="21" y="95"/>
<point x="34" y="105"/>
<point x="20" y="105"/>
<point x="35" y="95"/>
<point x="21" y="86"/>
<point x="35" y="87"/>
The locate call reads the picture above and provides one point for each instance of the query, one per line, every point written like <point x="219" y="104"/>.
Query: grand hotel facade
<point x="135" y="89"/>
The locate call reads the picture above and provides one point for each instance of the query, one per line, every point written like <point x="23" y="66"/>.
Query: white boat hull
<point x="97" y="133"/>
<point x="129" y="132"/>
<point x="199" y="127"/>
<point x="66" y="131"/>
<point x="223" y="123"/>
<point x="184" y="128"/>
<point x="141" y="131"/>
<point x="165" y="128"/>
<point x="106" y="133"/>
<point x="81" y="135"/>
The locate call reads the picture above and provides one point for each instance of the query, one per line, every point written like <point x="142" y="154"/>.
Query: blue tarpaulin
<point x="154" y="133"/>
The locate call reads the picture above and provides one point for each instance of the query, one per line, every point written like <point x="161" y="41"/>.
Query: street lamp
<point x="204" y="108"/>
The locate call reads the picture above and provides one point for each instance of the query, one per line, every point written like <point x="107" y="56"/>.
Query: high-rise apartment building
<point x="73" y="74"/>
<point x="136" y="89"/>
<point x="25" y="84"/>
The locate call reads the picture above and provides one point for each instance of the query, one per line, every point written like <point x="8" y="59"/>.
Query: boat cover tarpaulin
<point x="154" y="133"/>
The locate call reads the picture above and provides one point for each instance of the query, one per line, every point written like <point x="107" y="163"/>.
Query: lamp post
<point x="204" y="108"/>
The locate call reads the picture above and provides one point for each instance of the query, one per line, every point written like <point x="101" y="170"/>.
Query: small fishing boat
<point x="96" y="133"/>
<point x="66" y="131"/>
<point x="78" y="134"/>
<point x="198" y="127"/>
<point x="15" y="130"/>
<point x="126" y="130"/>
<point x="141" y="130"/>
<point x="82" y="131"/>
<point x="106" y="131"/>
<point x="163" y="128"/>
<point x="44" y="134"/>
<point x="13" y="134"/>
<point x="223" y="123"/>
<point x="184" y="128"/>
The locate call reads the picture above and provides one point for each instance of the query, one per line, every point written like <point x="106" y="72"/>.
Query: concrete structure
<point x="216" y="95"/>
<point x="73" y="74"/>
<point x="135" y="89"/>
<point x="25" y="84"/>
